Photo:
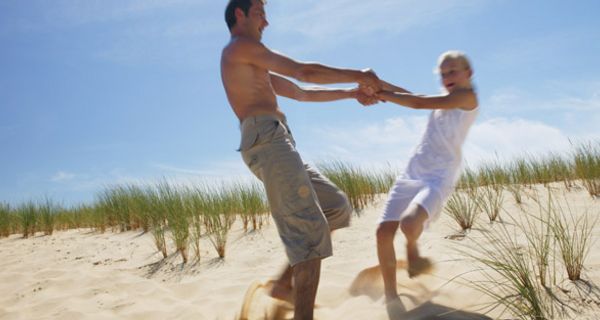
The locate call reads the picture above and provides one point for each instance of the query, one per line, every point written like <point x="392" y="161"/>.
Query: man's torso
<point x="248" y="87"/>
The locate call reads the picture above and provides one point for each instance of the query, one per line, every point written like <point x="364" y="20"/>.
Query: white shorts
<point x="406" y="192"/>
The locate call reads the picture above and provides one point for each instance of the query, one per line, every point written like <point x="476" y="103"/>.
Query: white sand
<point x="81" y="274"/>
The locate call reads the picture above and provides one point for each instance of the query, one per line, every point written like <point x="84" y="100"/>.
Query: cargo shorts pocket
<point x="290" y="184"/>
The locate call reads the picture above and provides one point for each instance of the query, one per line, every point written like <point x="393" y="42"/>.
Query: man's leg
<point x="337" y="210"/>
<point x="282" y="287"/>
<point x="334" y="203"/>
<point x="387" y="257"/>
<point x="295" y="208"/>
<point x="306" y="282"/>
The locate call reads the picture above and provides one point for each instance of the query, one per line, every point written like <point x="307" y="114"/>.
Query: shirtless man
<point x="305" y="205"/>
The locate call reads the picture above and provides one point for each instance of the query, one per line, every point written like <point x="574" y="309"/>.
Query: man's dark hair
<point x="230" y="10"/>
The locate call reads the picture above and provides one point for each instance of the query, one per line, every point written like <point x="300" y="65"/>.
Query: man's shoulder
<point x="242" y="45"/>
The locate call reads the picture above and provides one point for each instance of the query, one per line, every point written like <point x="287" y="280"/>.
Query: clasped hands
<point x="367" y="92"/>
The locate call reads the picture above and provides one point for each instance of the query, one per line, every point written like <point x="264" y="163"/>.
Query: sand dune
<point x="80" y="274"/>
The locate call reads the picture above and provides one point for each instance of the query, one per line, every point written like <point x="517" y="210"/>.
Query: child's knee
<point x="411" y="226"/>
<point x="386" y="232"/>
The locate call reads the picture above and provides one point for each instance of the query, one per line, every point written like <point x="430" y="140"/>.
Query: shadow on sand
<point x="430" y="310"/>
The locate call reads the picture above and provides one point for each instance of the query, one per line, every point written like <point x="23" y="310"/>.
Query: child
<point x="419" y="194"/>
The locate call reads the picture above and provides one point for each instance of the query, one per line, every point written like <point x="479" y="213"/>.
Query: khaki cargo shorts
<point x="305" y="205"/>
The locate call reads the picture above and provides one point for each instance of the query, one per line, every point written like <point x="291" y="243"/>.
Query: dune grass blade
<point x="47" y="212"/>
<point x="509" y="275"/>
<point x="28" y="218"/>
<point x="587" y="166"/>
<point x="172" y="205"/>
<point x="158" y="220"/>
<point x="5" y="219"/>
<point x="489" y="199"/>
<point x="197" y="206"/>
<point x="116" y="204"/>
<point x="139" y="207"/>
<point x="361" y="186"/>
<point x="463" y="208"/>
<point x="220" y="216"/>
<point x="253" y="205"/>
<point x="573" y="235"/>
<point x="538" y="231"/>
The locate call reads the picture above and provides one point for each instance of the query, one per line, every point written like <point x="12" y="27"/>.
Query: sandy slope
<point x="80" y="274"/>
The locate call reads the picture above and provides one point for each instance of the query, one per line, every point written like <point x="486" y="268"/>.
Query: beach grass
<point x="171" y="203"/>
<point x="587" y="166"/>
<point x="573" y="235"/>
<point x="509" y="276"/>
<point x="490" y="199"/>
<point x="196" y="206"/>
<point x="5" y="217"/>
<point x="47" y="213"/>
<point x="463" y="208"/>
<point x="253" y="207"/>
<point x="116" y="203"/>
<point x="158" y="220"/>
<point x="360" y="185"/>
<point x="220" y="216"/>
<point x="28" y="216"/>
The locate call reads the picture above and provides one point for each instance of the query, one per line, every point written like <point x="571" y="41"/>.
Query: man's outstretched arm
<point x="289" y="89"/>
<point x="254" y="52"/>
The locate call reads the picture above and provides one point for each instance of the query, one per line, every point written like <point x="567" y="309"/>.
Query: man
<point x="304" y="204"/>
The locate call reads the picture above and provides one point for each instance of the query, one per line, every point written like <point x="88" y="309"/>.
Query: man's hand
<point x="364" y="98"/>
<point x="369" y="83"/>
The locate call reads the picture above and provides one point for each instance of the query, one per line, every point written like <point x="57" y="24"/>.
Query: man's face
<point x="256" y="21"/>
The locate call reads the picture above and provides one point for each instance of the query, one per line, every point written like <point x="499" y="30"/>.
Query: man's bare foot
<point x="418" y="266"/>
<point x="280" y="291"/>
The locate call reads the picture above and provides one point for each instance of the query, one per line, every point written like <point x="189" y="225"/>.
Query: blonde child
<point x="418" y="195"/>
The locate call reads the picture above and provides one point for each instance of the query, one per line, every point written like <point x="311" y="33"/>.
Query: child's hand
<point x="365" y="99"/>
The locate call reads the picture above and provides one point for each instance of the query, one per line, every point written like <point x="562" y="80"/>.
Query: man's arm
<point x="288" y="89"/>
<point x="254" y="52"/>
<point x="463" y="99"/>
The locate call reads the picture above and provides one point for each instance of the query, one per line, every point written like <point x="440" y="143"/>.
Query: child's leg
<point x="387" y="257"/>
<point x="412" y="225"/>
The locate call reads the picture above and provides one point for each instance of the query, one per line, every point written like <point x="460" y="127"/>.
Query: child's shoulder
<point x="466" y="98"/>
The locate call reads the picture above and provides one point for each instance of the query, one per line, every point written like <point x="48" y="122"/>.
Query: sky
<point x="95" y="93"/>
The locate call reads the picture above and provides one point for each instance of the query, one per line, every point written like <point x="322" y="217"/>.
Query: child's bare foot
<point x="418" y="266"/>
<point x="395" y="308"/>
<point x="280" y="291"/>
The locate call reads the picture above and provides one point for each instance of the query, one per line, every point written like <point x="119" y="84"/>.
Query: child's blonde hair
<point x="454" y="55"/>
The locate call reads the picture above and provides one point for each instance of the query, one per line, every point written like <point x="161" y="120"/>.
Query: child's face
<point x="455" y="75"/>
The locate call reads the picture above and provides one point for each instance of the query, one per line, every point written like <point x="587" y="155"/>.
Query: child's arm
<point x="386" y="86"/>
<point x="464" y="99"/>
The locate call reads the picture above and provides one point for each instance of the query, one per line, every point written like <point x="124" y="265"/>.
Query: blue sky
<point x="100" y="92"/>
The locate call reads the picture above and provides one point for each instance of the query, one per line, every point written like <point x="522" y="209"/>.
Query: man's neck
<point x="236" y="33"/>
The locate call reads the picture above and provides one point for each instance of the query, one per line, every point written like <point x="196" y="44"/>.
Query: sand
<point x="82" y="274"/>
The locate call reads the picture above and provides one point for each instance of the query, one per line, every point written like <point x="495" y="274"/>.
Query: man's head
<point x="248" y="16"/>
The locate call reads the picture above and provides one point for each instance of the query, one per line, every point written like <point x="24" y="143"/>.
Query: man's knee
<point x="340" y="214"/>
<point x="343" y="204"/>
